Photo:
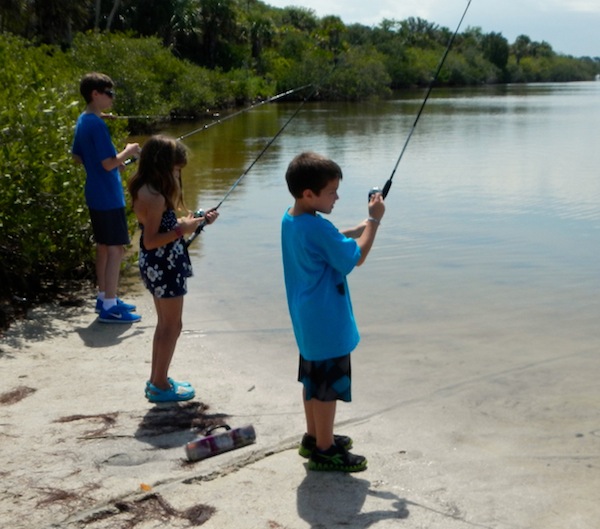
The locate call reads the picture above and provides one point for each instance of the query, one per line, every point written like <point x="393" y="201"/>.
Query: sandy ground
<point x="81" y="447"/>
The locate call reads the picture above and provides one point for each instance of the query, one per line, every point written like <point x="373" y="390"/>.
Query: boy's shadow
<point x="333" y="499"/>
<point x="98" y="334"/>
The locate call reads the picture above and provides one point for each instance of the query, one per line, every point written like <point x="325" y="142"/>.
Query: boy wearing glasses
<point x="93" y="147"/>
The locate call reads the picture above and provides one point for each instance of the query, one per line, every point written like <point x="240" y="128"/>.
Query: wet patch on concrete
<point x="15" y="395"/>
<point x="152" y="507"/>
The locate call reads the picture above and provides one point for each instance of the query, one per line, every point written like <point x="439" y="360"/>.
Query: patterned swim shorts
<point x="326" y="380"/>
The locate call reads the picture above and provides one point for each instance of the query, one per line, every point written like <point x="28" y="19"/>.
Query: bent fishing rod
<point x="250" y="107"/>
<point x="388" y="184"/>
<point x="230" y="116"/>
<point x="201" y="213"/>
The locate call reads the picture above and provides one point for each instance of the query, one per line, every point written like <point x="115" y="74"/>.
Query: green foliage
<point x="43" y="220"/>
<point x="195" y="57"/>
<point x="150" y="80"/>
<point x="551" y="69"/>
<point x="496" y="50"/>
<point x="144" y="72"/>
<point x="360" y="75"/>
<point x="45" y="236"/>
<point x="233" y="35"/>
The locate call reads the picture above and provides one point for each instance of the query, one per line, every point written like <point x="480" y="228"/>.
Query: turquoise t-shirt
<point x="92" y="143"/>
<point x="316" y="260"/>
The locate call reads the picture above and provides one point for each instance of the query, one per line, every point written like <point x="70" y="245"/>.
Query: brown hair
<point x="94" y="81"/>
<point x="312" y="171"/>
<point x="160" y="154"/>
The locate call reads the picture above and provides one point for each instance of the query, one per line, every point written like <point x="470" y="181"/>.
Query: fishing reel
<point x="374" y="191"/>
<point x="199" y="213"/>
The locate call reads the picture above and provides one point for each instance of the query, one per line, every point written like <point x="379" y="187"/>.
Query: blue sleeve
<point x="102" y="140"/>
<point x="337" y="250"/>
<point x="92" y="140"/>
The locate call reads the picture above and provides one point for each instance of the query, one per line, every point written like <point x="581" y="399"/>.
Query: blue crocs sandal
<point x="174" y="383"/>
<point x="176" y="393"/>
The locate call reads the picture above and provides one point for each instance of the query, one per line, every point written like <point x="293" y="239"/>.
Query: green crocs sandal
<point x="309" y="443"/>
<point x="176" y="393"/>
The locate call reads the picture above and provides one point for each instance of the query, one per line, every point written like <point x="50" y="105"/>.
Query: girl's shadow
<point x="332" y="499"/>
<point x="174" y="424"/>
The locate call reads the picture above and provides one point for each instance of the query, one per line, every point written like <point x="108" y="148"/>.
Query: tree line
<point x="277" y="43"/>
<point x="191" y="58"/>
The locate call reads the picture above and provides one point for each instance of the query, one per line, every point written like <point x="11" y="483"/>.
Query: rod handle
<point x="386" y="188"/>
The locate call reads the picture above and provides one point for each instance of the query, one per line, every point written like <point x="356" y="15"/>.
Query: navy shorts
<point x="110" y="226"/>
<point x="326" y="380"/>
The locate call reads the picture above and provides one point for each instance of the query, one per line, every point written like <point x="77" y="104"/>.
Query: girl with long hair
<point x="164" y="262"/>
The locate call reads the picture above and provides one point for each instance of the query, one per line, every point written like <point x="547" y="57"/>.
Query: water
<point x="488" y="254"/>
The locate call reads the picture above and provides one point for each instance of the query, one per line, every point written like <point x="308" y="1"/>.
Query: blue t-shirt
<point x="92" y="143"/>
<point x="316" y="260"/>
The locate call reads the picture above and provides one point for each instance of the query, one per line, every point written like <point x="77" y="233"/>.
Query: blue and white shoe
<point x="117" y="314"/>
<point x="120" y="303"/>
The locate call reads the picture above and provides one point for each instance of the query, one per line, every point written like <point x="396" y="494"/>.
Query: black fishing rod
<point x="260" y="154"/>
<point x="388" y="184"/>
<point x="140" y="117"/>
<point x="219" y="121"/>
<point x="250" y="107"/>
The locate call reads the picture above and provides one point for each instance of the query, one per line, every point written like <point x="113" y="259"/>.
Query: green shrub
<point x="45" y="236"/>
<point x="360" y="74"/>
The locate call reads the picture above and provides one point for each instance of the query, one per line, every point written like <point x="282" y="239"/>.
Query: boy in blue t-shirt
<point x="316" y="260"/>
<point x="104" y="195"/>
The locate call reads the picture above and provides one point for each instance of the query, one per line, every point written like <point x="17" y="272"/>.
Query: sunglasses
<point x="109" y="93"/>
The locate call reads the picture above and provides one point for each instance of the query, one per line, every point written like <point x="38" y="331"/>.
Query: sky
<point x="571" y="27"/>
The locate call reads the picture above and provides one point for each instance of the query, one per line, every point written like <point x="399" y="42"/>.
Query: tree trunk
<point x="97" y="16"/>
<point x="111" y="17"/>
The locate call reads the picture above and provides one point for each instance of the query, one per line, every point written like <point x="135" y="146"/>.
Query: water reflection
<point x="496" y="203"/>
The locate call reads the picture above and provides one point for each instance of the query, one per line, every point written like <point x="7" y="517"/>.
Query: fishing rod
<point x="250" y="107"/>
<point x="201" y="213"/>
<point x="388" y="184"/>
<point x="141" y="116"/>
<point x="158" y="117"/>
<point x="218" y="121"/>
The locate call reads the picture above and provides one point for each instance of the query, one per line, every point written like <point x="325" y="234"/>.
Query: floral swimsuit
<point x="165" y="270"/>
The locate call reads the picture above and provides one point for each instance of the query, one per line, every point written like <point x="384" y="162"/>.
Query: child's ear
<point x="309" y="193"/>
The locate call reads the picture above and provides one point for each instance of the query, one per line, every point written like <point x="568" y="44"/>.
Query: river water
<point x="488" y="254"/>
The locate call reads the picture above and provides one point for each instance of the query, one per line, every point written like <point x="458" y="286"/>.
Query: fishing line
<point x="260" y="154"/>
<point x="388" y="184"/>
<point x="255" y="105"/>
<point x="218" y="121"/>
<point x="145" y="116"/>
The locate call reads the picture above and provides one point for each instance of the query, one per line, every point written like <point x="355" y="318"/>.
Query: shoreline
<point x="81" y="433"/>
<point x="81" y="447"/>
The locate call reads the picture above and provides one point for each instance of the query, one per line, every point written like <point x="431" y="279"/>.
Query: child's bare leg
<point x="323" y="417"/>
<point x="112" y="270"/>
<point x="311" y="428"/>
<point x="101" y="258"/>
<point x="168" y="329"/>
